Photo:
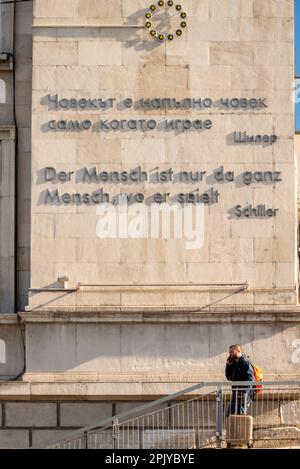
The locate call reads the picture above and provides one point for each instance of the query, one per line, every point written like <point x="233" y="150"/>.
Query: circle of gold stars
<point x="169" y="4"/>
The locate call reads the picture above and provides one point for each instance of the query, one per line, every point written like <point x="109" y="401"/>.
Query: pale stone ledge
<point x="7" y="132"/>
<point x="184" y="379"/>
<point x="8" y="320"/>
<point x="6" y="66"/>
<point x="222" y="314"/>
<point x="160" y="297"/>
<point x="111" y="390"/>
<point x="103" y="23"/>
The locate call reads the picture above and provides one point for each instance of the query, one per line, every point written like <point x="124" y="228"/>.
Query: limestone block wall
<point x="12" y="357"/>
<point x="7" y="165"/>
<point x="297" y="152"/>
<point x="150" y="352"/>
<point x="86" y="49"/>
<point x="24" y="424"/>
<point x="6" y="76"/>
<point x="7" y="216"/>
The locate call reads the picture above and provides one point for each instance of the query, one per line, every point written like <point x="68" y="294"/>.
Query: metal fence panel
<point x="185" y="421"/>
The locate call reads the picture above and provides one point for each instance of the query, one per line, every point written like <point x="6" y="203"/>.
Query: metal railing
<point x="198" y="417"/>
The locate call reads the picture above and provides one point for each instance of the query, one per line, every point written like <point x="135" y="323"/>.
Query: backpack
<point x="258" y="376"/>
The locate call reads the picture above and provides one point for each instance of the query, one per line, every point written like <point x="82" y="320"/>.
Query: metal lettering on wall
<point x="178" y="124"/>
<point x="138" y="175"/>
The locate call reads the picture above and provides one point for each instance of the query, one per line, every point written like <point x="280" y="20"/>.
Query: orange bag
<point x="258" y="376"/>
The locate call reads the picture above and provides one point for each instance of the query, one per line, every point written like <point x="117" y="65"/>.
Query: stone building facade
<point x="191" y="113"/>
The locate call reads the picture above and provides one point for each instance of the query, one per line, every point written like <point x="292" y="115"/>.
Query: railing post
<point x="85" y="440"/>
<point x="141" y="438"/>
<point x="115" y="435"/>
<point x="219" y="416"/>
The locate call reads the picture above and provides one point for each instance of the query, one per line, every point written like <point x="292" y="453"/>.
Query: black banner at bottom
<point x="152" y="458"/>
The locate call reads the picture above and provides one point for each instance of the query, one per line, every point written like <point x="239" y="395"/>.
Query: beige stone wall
<point x="12" y="359"/>
<point x="237" y="48"/>
<point x="7" y="165"/>
<point x="25" y="424"/>
<point x="7" y="216"/>
<point x="297" y="152"/>
<point x="230" y="49"/>
<point x="37" y="424"/>
<point x="154" y="354"/>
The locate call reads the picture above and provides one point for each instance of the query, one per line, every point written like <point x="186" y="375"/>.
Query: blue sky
<point x="297" y="57"/>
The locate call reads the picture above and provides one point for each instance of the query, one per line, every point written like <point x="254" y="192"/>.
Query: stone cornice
<point x="74" y="23"/>
<point x="126" y="387"/>
<point x="213" y="315"/>
<point x="6" y="66"/>
<point x="110" y="315"/>
<point x="8" y="319"/>
<point x="7" y="132"/>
